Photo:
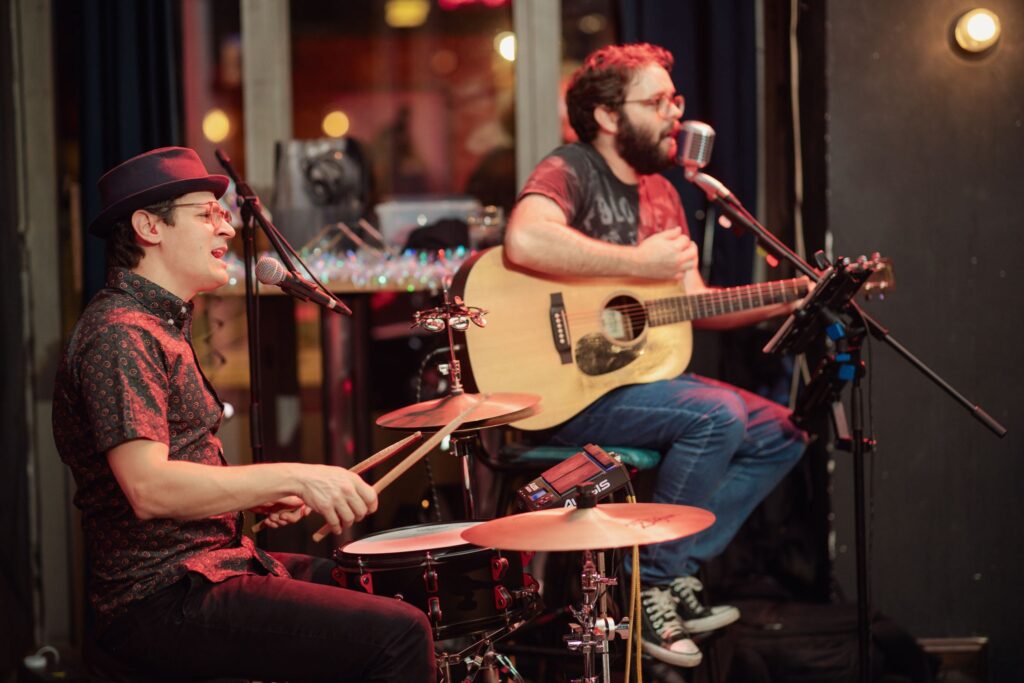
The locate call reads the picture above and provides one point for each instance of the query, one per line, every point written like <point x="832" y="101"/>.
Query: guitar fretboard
<point x="676" y="309"/>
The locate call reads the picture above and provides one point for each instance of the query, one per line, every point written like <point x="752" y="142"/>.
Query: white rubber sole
<point x="686" y="659"/>
<point x="721" y="615"/>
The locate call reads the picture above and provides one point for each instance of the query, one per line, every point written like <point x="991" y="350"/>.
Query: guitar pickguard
<point x="595" y="355"/>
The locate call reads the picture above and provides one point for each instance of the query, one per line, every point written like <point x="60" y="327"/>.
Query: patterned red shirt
<point x="130" y="372"/>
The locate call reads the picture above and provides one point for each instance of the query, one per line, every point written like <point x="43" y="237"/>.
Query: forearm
<point x="158" y="487"/>
<point x="186" y="490"/>
<point x="556" y="249"/>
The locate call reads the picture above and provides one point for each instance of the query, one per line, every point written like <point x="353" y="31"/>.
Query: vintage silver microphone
<point x="269" y="271"/>
<point x="696" y="139"/>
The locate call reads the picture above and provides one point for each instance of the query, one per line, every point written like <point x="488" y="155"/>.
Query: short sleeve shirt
<point x="598" y="204"/>
<point x="129" y="372"/>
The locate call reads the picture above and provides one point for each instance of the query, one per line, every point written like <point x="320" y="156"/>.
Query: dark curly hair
<point x="603" y="78"/>
<point x="122" y="249"/>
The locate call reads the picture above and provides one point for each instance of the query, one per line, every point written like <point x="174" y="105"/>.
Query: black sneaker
<point x="664" y="637"/>
<point x="697" y="617"/>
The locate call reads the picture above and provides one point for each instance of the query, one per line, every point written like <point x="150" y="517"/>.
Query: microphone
<point x="269" y="271"/>
<point x="695" y="153"/>
<point x="695" y="147"/>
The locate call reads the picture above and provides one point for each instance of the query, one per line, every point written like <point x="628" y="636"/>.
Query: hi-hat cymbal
<point x="491" y="410"/>
<point x="610" y="525"/>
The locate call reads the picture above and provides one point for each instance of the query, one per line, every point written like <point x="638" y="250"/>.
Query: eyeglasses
<point x="214" y="214"/>
<point x="662" y="103"/>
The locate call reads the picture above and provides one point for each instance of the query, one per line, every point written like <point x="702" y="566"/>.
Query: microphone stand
<point x="730" y="206"/>
<point x="252" y="215"/>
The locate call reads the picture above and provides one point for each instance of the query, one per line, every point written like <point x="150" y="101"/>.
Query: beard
<point x="637" y="148"/>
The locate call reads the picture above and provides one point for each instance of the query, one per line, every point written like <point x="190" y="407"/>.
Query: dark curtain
<point x="713" y="43"/>
<point x="16" y="618"/>
<point x="129" y="96"/>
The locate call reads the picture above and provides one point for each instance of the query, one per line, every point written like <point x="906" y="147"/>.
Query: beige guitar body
<point x="521" y="349"/>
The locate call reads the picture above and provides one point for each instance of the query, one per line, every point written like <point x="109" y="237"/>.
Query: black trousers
<point x="306" y="628"/>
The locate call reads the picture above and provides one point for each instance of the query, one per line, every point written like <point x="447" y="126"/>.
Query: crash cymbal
<point x="610" y="525"/>
<point x="493" y="409"/>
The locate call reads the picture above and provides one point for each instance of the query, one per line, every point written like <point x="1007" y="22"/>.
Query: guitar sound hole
<point x="623" y="319"/>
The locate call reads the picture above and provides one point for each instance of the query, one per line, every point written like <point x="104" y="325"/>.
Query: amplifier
<point x="562" y="485"/>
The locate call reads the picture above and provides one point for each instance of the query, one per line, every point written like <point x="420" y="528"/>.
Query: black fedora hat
<point x="152" y="177"/>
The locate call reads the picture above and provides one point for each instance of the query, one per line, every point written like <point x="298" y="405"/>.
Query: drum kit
<point x="468" y="577"/>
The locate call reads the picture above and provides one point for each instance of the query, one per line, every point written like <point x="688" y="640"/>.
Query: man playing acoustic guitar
<point x="599" y="208"/>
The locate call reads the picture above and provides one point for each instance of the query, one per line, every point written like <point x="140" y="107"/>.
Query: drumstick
<point x="385" y="453"/>
<point x="412" y="458"/>
<point x="374" y="460"/>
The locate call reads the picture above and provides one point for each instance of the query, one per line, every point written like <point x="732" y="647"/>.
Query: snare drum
<point x="463" y="589"/>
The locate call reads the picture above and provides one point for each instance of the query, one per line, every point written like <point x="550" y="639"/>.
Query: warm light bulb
<point x="505" y="44"/>
<point x="981" y="27"/>
<point x="336" y="124"/>
<point x="977" y="30"/>
<point x="406" y="13"/>
<point x="216" y="125"/>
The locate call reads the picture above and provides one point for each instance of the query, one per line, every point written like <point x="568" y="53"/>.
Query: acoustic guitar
<point x="571" y="340"/>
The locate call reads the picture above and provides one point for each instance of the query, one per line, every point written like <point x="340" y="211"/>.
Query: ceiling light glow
<point x="977" y="31"/>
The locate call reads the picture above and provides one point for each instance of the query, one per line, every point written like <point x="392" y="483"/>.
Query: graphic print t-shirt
<point x="598" y="204"/>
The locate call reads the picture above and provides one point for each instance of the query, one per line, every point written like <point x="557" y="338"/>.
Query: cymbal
<point x="494" y="409"/>
<point x="610" y="525"/>
<point x="410" y="539"/>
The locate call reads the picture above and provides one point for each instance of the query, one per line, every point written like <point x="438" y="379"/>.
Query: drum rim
<point x="352" y="548"/>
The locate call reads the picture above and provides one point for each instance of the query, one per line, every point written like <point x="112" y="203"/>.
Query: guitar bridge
<point x="560" y="328"/>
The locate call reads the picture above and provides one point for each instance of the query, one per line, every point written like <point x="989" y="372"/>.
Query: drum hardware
<point x="475" y="659"/>
<point x="595" y="629"/>
<point x="608" y="525"/>
<point x="453" y="315"/>
<point x="463" y="589"/>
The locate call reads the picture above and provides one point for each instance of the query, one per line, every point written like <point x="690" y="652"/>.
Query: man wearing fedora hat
<point x="176" y="588"/>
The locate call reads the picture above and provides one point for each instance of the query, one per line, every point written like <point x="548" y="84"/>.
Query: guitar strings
<point x="693" y="303"/>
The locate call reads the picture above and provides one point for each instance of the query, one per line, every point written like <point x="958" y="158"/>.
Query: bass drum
<point x="463" y="589"/>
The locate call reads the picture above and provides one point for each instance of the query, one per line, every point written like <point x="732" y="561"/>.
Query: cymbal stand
<point x="594" y="631"/>
<point x="455" y="316"/>
<point x="451" y="316"/>
<point x="461" y="449"/>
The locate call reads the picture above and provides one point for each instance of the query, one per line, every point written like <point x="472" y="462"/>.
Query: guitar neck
<point x="675" y="309"/>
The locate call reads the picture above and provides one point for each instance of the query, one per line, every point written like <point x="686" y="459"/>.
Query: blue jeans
<point x="723" y="449"/>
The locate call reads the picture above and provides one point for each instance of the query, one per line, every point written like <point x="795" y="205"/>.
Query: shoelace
<point x="685" y="587"/>
<point x="662" y="612"/>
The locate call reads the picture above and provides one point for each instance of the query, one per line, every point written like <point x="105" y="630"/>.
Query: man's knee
<point x="728" y="413"/>
<point x="415" y="644"/>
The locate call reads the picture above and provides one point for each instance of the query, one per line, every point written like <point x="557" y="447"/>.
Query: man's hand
<point x="666" y="255"/>
<point x="283" y="512"/>
<point x="343" y="498"/>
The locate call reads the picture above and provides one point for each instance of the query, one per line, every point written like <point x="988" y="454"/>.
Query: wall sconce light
<point x="977" y="31"/>
<point x="216" y="125"/>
